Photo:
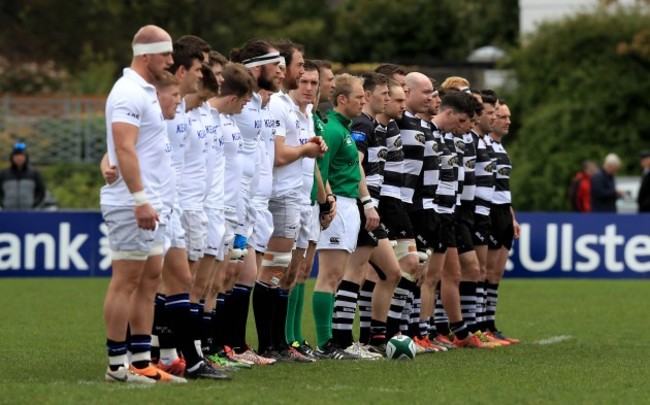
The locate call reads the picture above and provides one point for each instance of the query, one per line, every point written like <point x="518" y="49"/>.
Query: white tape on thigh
<point x="404" y="248"/>
<point x="156" y="249"/>
<point x="129" y="255"/>
<point x="276" y="259"/>
<point x="422" y="256"/>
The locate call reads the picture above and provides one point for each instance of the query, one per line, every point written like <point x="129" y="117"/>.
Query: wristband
<point x="331" y="195"/>
<point x="367" y="203"/>
<point x="140" y="198"/>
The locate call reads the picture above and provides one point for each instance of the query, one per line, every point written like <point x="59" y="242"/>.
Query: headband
<point x="153" y="48"/>
<point x="271" y="57"/>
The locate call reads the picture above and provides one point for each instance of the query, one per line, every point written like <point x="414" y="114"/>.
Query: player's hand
<point x="517" y="229"/>
<point x="372" y="219"/>
<point x="110" y="174"/>
<point x="146" y="216"/>
<point x="312" y="150"/>
<point x="320" y="141"/>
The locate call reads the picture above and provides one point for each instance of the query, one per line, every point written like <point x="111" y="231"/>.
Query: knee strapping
<point x="129" y="255"/>
<point x="276" y="259"/>
<point x="238" y="254"/>
<point x="404" y="248"/>
<point x="423" y="256"/>
<point x="156" y="249"/>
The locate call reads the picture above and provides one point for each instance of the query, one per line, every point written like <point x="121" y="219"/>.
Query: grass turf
<point x="583" y="341"/>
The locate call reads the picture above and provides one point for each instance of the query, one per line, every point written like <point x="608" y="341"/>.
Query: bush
<point x="74" y="185"/>
<point x="582" y="94"/>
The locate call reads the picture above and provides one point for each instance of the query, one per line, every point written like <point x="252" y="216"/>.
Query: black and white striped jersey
<point x="484" y="173"/>
<point x="448" y="180"/>
<point x="469" y="163"/>
<point x="430" y="168"/>
<point x="459" y="147"/>
<point x="413" y="145"/>
<point x="372" y="144"/>
<point x="502" y="177"/>
<point x="394" y="166"/>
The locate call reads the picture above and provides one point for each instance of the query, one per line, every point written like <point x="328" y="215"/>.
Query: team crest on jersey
<point x="434" y="146"/>
<point x="489" y="168"/>
<point x="504" y="171"/>
<point x="460" y="145"/>
<point x="398" y="142"/>
<point x="420" y="137"/>
<point x="358" y="136"/>
<point x="470" y="164"/>
<point x="348" y="140"/>
<point x="382" y="154"/>
<point x="453" y="161"/>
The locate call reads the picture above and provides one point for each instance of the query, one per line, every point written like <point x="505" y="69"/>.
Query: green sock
<point x="291" y="313"/>
<point x="323" y="303"/>
<point x="297" y="318"/>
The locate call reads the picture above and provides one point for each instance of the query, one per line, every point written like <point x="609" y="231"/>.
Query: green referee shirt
<point x="319" y="126"/>
<point x="341" y="162"/>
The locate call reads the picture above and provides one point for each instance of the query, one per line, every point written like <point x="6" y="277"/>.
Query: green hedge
<point x="74" y="185"/>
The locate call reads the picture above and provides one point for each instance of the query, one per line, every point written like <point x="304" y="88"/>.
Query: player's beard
<point x="265" y="83"/>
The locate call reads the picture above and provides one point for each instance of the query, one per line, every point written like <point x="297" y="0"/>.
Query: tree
<point x="582" y="93"/>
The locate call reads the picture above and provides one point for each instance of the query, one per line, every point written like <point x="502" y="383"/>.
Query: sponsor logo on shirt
<point x="358" y="136"/>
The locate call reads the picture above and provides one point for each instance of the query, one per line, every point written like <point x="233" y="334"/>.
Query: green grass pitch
<point x="583" y="341"/>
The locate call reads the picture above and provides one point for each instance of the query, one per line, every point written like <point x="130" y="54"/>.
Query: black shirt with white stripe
<point x="501" y="194"/>
<point x="394" y="166"/>
<point x="485" y="166"/>
<point x="469" y="163"/>
<point x="372" y="144"/>
<point x="448" y="180"/>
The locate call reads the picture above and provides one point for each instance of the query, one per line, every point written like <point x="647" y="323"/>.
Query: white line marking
<point x="553" y="340"/>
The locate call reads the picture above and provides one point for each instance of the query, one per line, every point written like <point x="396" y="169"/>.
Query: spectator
<point x="579" y="196"/>
<point x="644" y="191"/>
<point x="603" y="188"/>
<point x="21" y="187"/>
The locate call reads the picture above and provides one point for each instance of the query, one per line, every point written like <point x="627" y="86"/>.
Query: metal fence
<point x="55" y="128"/>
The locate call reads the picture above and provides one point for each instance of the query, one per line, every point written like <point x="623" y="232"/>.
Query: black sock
<point x="183" y="326"/>
<point x="414" y="321"/>
<point x="218" y="323"/>
<point x="160" y="327"/>
<point x="491" y="306"/>
<point x="480" y="305"/>
<point x="116" y="354"/>
<point x="279" y="319"/>
<point x="396" y="308"/>
<point x="405" y="322"/>
<point x="377" y="333"/>
<point x="239" y="304"/>
<point x="263" y="299"/>
<point x="345" y="308"/>
<point x="365" y="311"/>
<point x="440" y="318"/>
<point x="459" y="329"/>
<point x="140" y="348"/>
<point x="467" y="290"/>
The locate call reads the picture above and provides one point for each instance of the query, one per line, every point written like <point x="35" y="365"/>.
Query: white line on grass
<point x="553" y="340"/>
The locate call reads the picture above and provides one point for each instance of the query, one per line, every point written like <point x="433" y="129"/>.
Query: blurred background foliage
<point x="580" y="84"/>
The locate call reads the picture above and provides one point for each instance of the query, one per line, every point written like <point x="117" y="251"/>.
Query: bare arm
<point x="124" y="138"/>
<point x="372" y="217"/>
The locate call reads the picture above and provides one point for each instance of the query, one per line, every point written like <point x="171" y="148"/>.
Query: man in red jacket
<point x="580" y="191"/>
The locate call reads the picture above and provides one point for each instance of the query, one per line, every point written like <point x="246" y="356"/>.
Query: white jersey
<point x="266" y="154"/>
<point x="232" y="143"/>
<point x="134" y="101"/>
<point x="192" y="187"/>
<point x="287" y="178"/>
<point x="307" y="131"/>
<point x="177" y="131"/>
<point x="249" y="122"/>
<point x="214" y="194"/>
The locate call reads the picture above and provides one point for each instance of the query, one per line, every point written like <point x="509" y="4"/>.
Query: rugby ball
<point x="400" y="347"/>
